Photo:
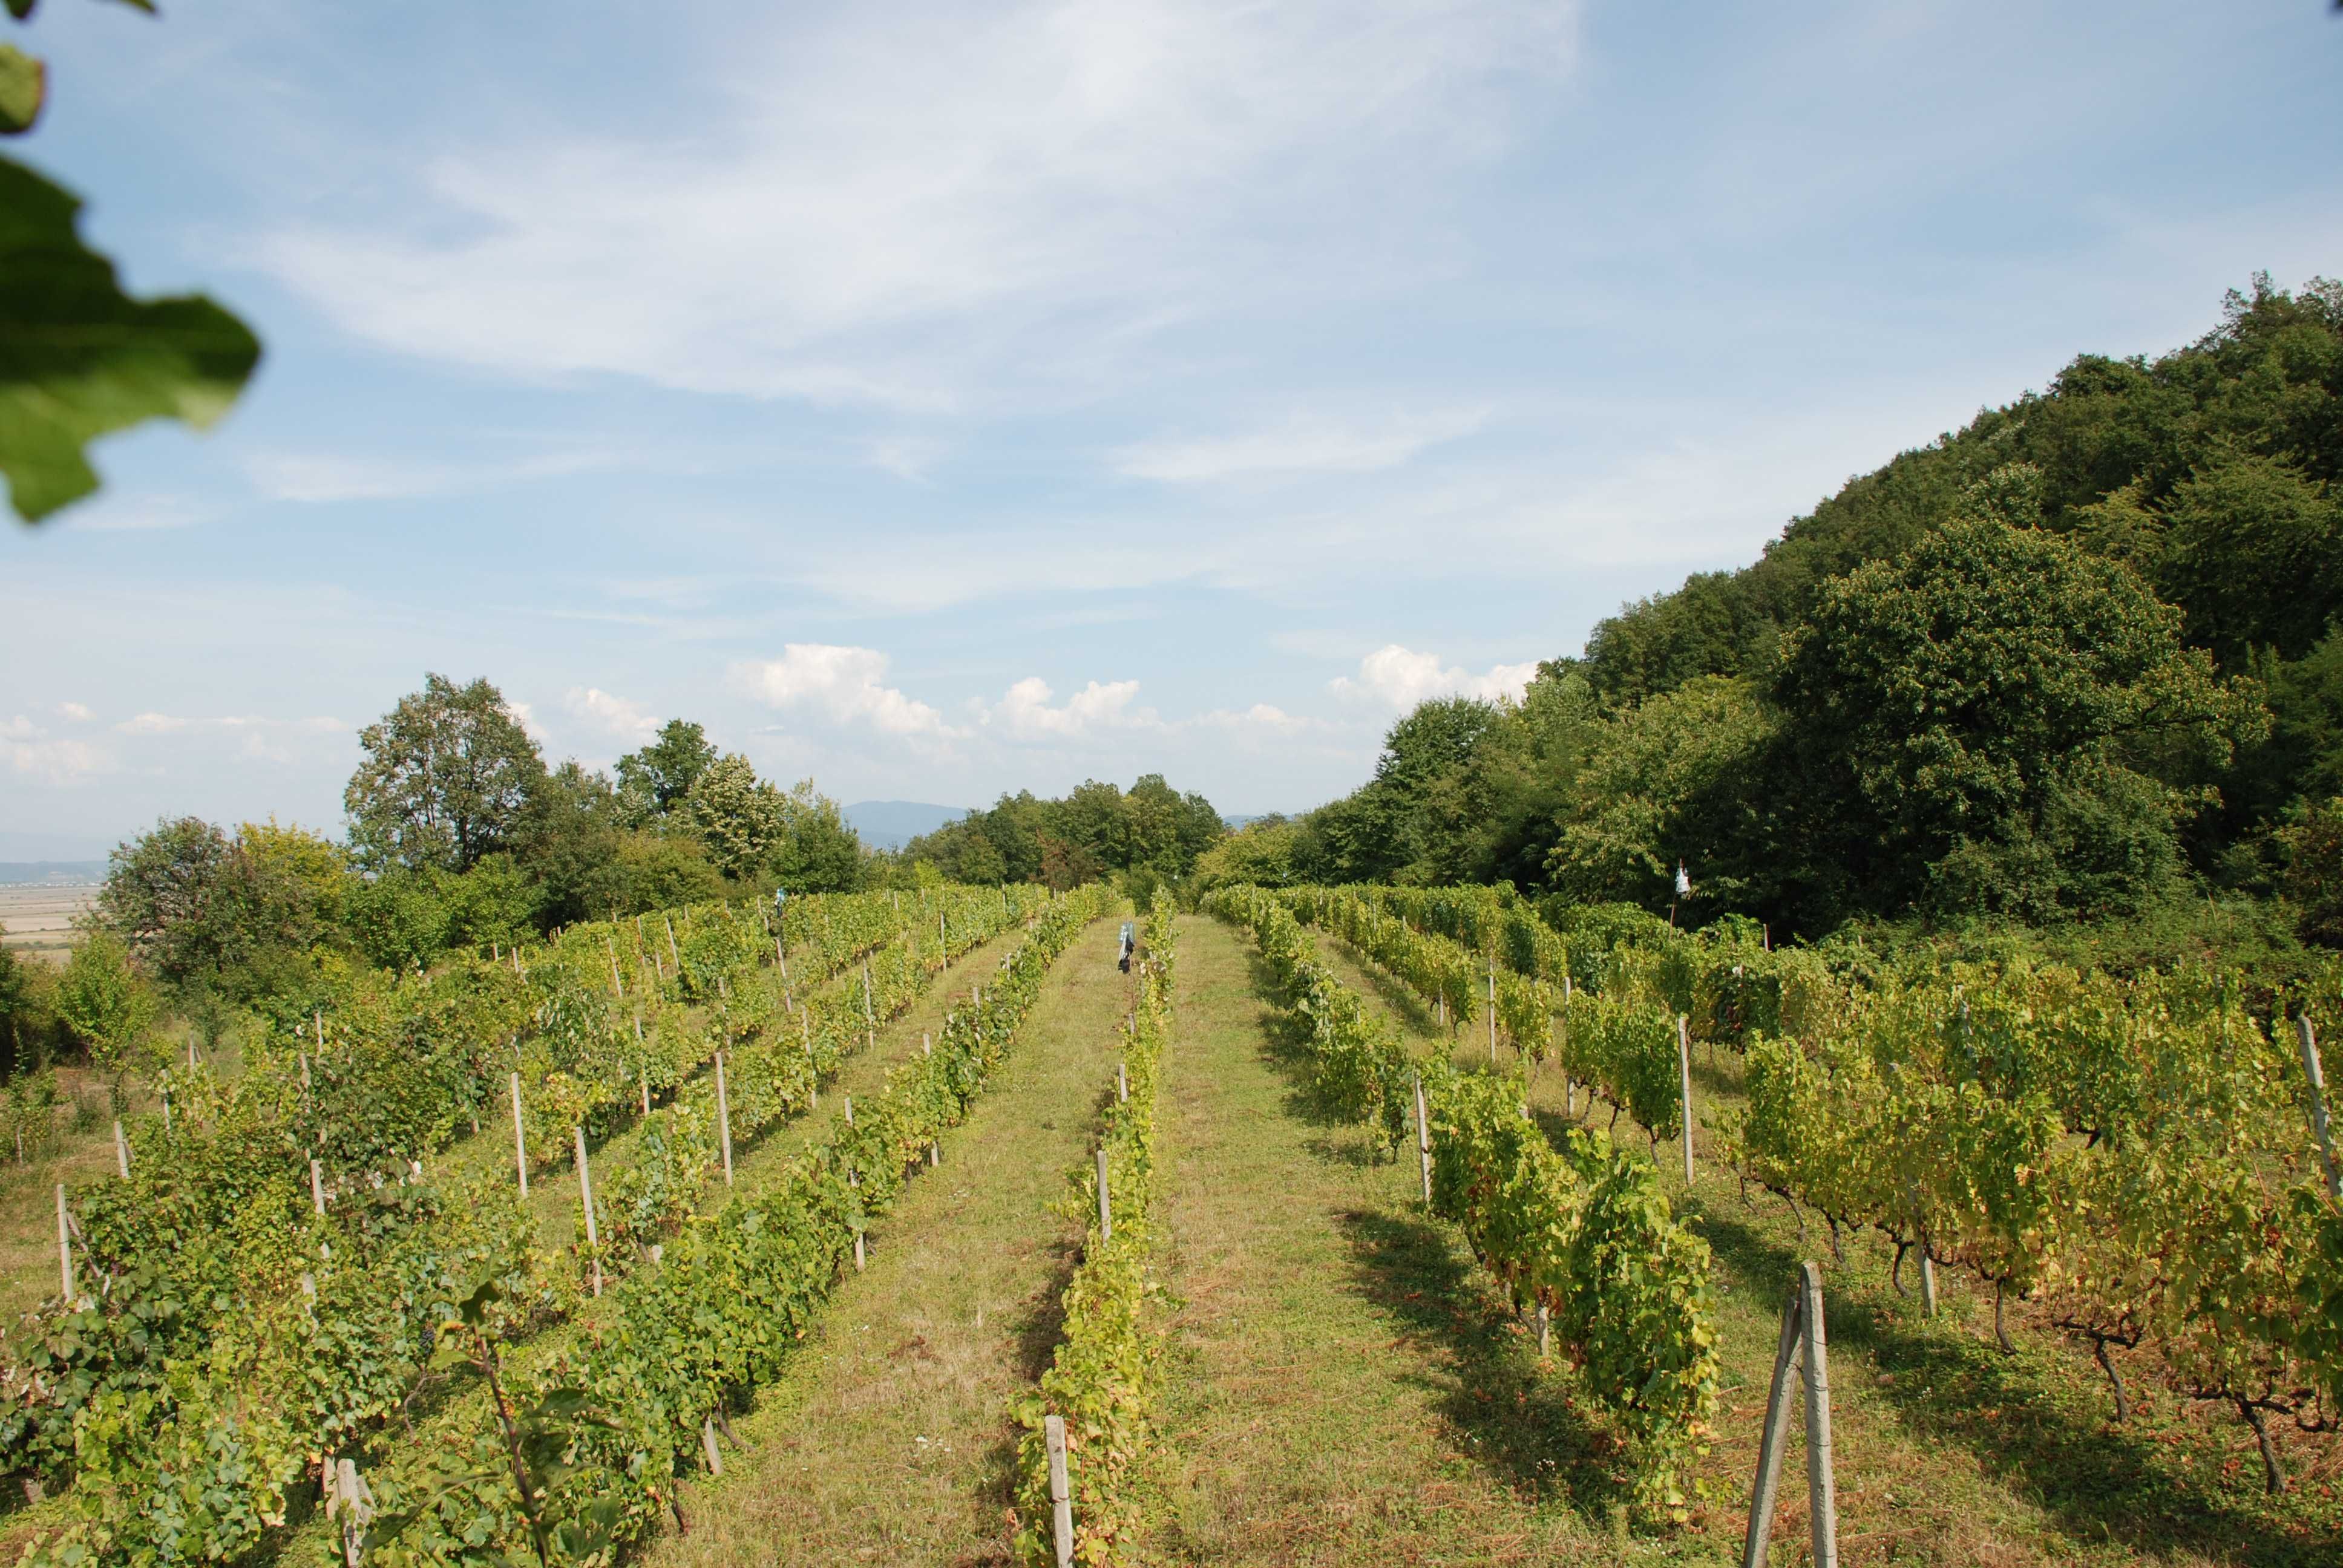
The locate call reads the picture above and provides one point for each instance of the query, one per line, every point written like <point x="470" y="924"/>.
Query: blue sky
<point x="942" y="399"/>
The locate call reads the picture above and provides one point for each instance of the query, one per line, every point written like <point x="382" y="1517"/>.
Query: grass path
<point x="1340" y="1390"/>
<point x="889" y="1442"/>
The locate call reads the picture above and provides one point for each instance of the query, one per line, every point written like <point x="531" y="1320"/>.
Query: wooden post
<point x="1062" y="1503"/>
<point x="674" y="957"/>
<point x="1927" y="1281"/>
<point x="316" y="1186"/>
<point x="520" y="1138"/>
<point x="724" y="1118"/>
<point x="1423" y="1140"/>
<point x="870" y="1013"/>
<point x="925" y="1047"/>
<point x="585" y="1198"/>
<point x="707" y="1446"/>
<point x="782" y="959"/>
<point x="1822" y="1492"/>
<point x="942" y="939"/>
<point x="1545" y="1330"/>
<point x="1493" y="1010"/>
<point x="305" y="1072"/>
<point x="1122" y="1095"/>
<point x="65" y="1248"/>
<point x="813" y="1068"/>
<point x="2309" y="1042"/>
<point x="850" y="1109"/>
<point x="1684" y="1074"/>
<point x="618" y="988"/>
<point x="121" y="1149"/>
<point x="1106" y="1207"/>
<point x="1776" y="1435"/>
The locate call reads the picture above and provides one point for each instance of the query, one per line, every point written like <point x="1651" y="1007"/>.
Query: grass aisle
<point x="1338" y="1390"/>
<point x="888" y="1441"/>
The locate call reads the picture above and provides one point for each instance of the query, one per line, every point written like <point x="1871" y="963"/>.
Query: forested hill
<point x="2210" y="470"/>
<point x="2076" y="661"/>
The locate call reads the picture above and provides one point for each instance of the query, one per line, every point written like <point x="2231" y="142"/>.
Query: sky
<point x="936" y="400"/>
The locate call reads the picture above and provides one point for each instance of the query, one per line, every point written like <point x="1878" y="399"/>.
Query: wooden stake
<point x="618" y="988"/>
<point x="925" y="1049"/>
<point x="316" y="1186"/>
<point x="1927" y="1281"/>
<point x="121" y="1149"/>
<point x="1423" y="1140"/>
<point x="724" y="1118"/>
<point x="586" y="1199"/>
<point x="65" y="1248"/>
<point x="1492" y="1011"/>
<point x="520" y="1138"/>
<point x="850" y="1109"/>
<point x="708" y="1445"/>
<point x="1822" y="1492"/>
<point x="1121" y="1091"/>
<point x="1545" y="1330"/>
<point x="1775" y="1433"/>
<point x="674" y="957"/>
<point x="2309" y="1042"/>
<point x="1684" y="1071"/>
<point x="1061" y="1503"/>
<point x="1106" y="1207"/>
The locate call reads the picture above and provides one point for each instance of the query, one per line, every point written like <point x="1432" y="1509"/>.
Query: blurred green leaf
<point x="23" y="83"/>
<point x="79" y="359"/>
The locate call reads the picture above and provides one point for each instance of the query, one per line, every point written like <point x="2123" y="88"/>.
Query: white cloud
<point x="172" y="724"/>
<point x="75" y="711"/>
<point x="1302" y="444"/>
<point x="873" y="203"/>
<point x="27" y="749"/>
<point x="526" y="717"/>
<point x="1398" y="678"/>
<point x="613" y="716"/>
<point x="151" y="724"/>
<point x="1024" y="711"/>
<point x="326" y="476"/>
<point x="1261" y="717"/>
<point x="844" y="685"/>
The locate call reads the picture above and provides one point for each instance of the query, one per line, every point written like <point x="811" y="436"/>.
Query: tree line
<point x="2074" y="665"/>
<point x="460" y="834"/>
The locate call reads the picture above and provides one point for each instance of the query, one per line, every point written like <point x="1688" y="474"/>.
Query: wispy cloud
<point x="29" y="749"/>
<point x="856" y="220"/>
<point x="1303" y="443"/>
<point x="330" y="477"/>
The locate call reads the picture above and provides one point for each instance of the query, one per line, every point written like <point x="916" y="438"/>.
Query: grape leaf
<point x="79" y="359"/>
<point x="23" y="85"/>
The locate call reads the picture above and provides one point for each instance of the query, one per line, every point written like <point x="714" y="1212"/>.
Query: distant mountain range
<point x="891" y="824"/>
<point x="43" y="872"/>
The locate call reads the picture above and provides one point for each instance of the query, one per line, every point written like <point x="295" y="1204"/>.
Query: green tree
<point x="2254" y="554"/>
<point x="656" y="779"/>
<point x="109" y="1006"/>
<point x="740" y="817"/>
<point x="1665" y="782"/>
<point x="818" y="853"/>
<point x="448" y="778"/>
<point x="165" y="895"/>
<point x="1981" y="723"/>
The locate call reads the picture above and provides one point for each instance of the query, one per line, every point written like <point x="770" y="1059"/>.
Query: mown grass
<point x="888" y="1440"/>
